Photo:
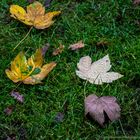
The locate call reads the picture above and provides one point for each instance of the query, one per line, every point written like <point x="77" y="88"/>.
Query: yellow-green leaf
<point x="29" y="71"/>
<point x="36" y="79"/>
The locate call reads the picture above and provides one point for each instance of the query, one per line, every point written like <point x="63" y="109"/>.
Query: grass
<point x="91" y="21"/>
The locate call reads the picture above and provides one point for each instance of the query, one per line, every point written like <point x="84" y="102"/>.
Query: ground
<point x="114" y="22"/>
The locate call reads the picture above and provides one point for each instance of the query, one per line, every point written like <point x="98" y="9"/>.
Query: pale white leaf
<point x="96" y="72"/>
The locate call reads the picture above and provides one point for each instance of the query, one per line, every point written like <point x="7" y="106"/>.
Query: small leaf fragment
<point x="59" y="50"/>
<point x="30" y="1"/>
<point x="59" y="117"/>
<point x="45" y="49"/>
<point x="17" y="96"/>
<point x="102" y="43"/>
<point x="8" y="110"/>
<point x="136" y="2"/>
<point x="77" y="45"/>
<point x="96" y="106"/>
<point x="47" y="3"/>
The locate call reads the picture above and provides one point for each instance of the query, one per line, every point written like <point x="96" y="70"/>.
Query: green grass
<point x="90" y="21"/>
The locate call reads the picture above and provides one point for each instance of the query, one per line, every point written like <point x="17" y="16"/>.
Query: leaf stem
<point x="23" y="38"/>
<point x="85" y="88"/>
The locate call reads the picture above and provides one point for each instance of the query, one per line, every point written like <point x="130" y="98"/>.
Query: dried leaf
<point x="35" y="15"/>
<point x="44" y="49"/>
<point x="17" y="96"/>
<point x="8" y="110"/>
<point x="47" y="3"/>
<point x="96" y="72"/>
<point x="136" y="2"/>
<point x="29" y="71"/>
<point x="59" y="50"/>
<point x="102" y="43"/>
<point x="77" y="45"/>
<point x="59" y="117"/>
<point x="95" y="107"/>
<point x="30" y="1"/>
<point x="11" y="137"/>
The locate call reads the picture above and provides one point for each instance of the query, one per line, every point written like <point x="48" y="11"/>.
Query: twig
<point x="23" y="38"/>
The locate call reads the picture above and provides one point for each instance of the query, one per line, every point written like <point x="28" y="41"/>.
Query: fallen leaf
<point x="17" y="96"/>
<point x="59" y="117"/>
<point x="59" y="50"/>
<point x="35" y="15"/>
<point x="30" y="1"/>
<point x="22" y="133"/>
<point x="47" y="3"/>
<point x="96" y="72"/>
<point x="96" y="107"/>
<point x="77" y="45"/>
<point x="102" y="43"/>
<point x="44" y="49"/>
<point x="8" y="110"/>
<point x="136" y="2"/>
<point x="11" y="137"/>
<point x="31" y="71"/>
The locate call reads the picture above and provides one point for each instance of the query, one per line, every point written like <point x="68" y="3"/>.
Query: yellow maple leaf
<point x="34" y="16"/>
<point x="29" y="71"/>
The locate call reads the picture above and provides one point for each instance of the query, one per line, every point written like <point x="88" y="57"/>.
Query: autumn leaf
<point x="59" y="50"/>
<point x="96" y="72"/>
<point x="59" y="117"/>
<point x="77" y="45"/>
<point x="96" y="107"/>
<point x="31" y="71"/>
<point x="30" y="1"/>
<point x="102" y="44"/>
<point x="47" y="3"/>
<point x="136" y="2"/>
<point x="9" y="110"/>
<point x="34" y="16"/>
<point x="17" y="96"/>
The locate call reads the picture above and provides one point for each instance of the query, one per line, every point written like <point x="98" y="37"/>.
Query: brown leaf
<point x="17" y="96"/>
<point x="96" y="107"/>
<point x="77" y="45"/>
<point x="44" y="49"/>
<point x="102" y="43"/>
<point x="58" y="50"/>
<point x="136" y="2"/>
<point x="8" y="110"/>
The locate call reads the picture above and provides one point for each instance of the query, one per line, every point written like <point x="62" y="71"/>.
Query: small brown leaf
<point x="96" y="107"/>
<point x="44" y="49"/>
<point x="77" y="45"/>
<point x="102" y="43"/>
<point x="58" y="50"/>
<point x="17" y="96"/>
<point x="136" y="2"/>
<point x="8" y="110"/>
